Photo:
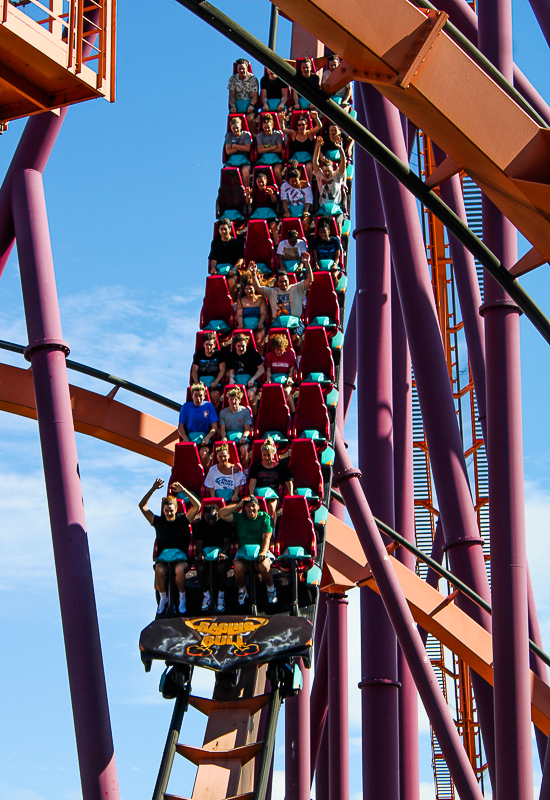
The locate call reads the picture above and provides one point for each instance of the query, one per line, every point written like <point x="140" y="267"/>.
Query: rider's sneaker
<point x="220" y="605"/>
<point x="243" y="595"/>
<point x="182" y="608"/>
<point x="206" y="601"/>
<point x="271" y="595"/>
<point x="162" y="604"/>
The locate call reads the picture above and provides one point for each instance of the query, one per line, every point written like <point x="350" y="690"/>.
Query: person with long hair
<point x="268" y="476"/>
<point x="224" y="479"/>
<point x="252" y="314"/>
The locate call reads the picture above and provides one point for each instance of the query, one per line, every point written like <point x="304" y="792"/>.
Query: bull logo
<point x="224" y="634"/>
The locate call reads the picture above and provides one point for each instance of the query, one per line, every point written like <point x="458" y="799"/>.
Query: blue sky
<point x="131" y="191"/>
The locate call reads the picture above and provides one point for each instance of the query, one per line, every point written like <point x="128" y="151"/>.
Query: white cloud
<point x="427" y="791"/>
<point x="10" y="792"/>
<point x="278" y="790"/>
<point x="537" y="517"/>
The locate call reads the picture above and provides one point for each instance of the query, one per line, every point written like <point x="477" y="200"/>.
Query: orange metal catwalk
<point x="52" y="58"/>
<point x="404" y="52"/>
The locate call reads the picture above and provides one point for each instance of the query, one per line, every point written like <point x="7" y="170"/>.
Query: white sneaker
<point x="206" y="601"/>
<point x="162" y="604"/>
<point x="243" y="595"/>
<point x="220" y="606"/>
<point x="271" y="595"/>
<point x="182" y="608"/>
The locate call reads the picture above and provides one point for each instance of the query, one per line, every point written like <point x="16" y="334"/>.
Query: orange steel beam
<point x="420" y="69"/>
<point x="346" y="566"/>
<point x="225" y="761"/>
<point x="96" y="415"/>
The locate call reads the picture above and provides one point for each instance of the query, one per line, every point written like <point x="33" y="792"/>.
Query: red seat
<point x="199" y="340"/>
<point x="256" y="454"/>
<point x="217" y="229"/>
<point x="187" y="468"/>
<point x="322" y="300"/>
<point x="273" y="412"/>
<point x="268" y="172"/>
<point x="296" y="114"/>
<point x="281" y="332"/>
<point x="259" y="246"/>
<point x="251" y="339"/>
<point x="212" y="501"/>
<point x="233" y="454"/>
<point x="306" y="470"/>
<point x="316" y="355"/>
<point x="291" y="224"/>
<point x="333" y="227"/>
<point x="244" y="399"/>
<point x="243" y="119"/>
<point x="250" y="68"/>
<point x="189" y="396"/>
<point x="262" y="502"/>
<point x="303" y="174"/>
<point x="276" y="120"/>
<point x="217" y="303"/>
<point x="311" y="412"/>
<point x="296" y="529"/>
<point x="231" y="194"/>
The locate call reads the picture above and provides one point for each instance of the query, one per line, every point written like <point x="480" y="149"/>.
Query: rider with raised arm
<point x="173" y="535"/>
<point x="286" y="300"/>
<point x="254" y="529"/>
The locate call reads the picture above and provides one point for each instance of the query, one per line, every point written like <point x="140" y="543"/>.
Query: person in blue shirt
<point x="198" y="422"/>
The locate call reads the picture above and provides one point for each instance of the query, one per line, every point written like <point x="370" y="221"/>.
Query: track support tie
<point x="199" y="755"/>
<point x="252" y="704"/>
<point x="245" y="796"/>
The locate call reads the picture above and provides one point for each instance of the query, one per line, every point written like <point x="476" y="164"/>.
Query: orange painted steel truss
<point x="96" y="415"/>
<point x="43" y="64"/>
<point x="416" y="65"/>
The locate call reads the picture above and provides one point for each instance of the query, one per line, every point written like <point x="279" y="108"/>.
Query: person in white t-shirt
<point x="290" y="252"/>
<point x="286" y="300"/>
<point x="330" y="181"/>
<point x="224" y="479"/>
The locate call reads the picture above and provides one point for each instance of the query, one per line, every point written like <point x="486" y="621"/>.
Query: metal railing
<point x="104" y="376"/>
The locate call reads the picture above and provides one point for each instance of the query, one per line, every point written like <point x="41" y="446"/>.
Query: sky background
<point x="131" y="191"/>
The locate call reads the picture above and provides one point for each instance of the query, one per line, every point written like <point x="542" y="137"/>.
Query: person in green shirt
<point x="254" y="529"/>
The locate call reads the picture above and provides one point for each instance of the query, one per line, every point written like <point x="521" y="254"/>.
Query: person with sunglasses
<point x="301" y="142"/>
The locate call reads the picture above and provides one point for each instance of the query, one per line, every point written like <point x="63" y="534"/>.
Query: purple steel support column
<point x="337" y="631"/>
<point x="46" y="352"/>
<point x="321" y="766"/>
<point x="379" y="671"/>
<point x="297" y="744"/>
<point x="433" y="385"/>
<point x="470" y="301"/>
<point x="33" y="151"/>
<point x="409" y="778"/>
<point x="350" y="359"/>
<point x="319" y="704"/>
<point x="514" y="765"/>
<point x="538" y="667"/>
<point x="463" y="16"/>
<point x="409" y="638"/>
<point x="469" y="293"/>
<point x="438" y="549"/>
<point x="432" y="577"/>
